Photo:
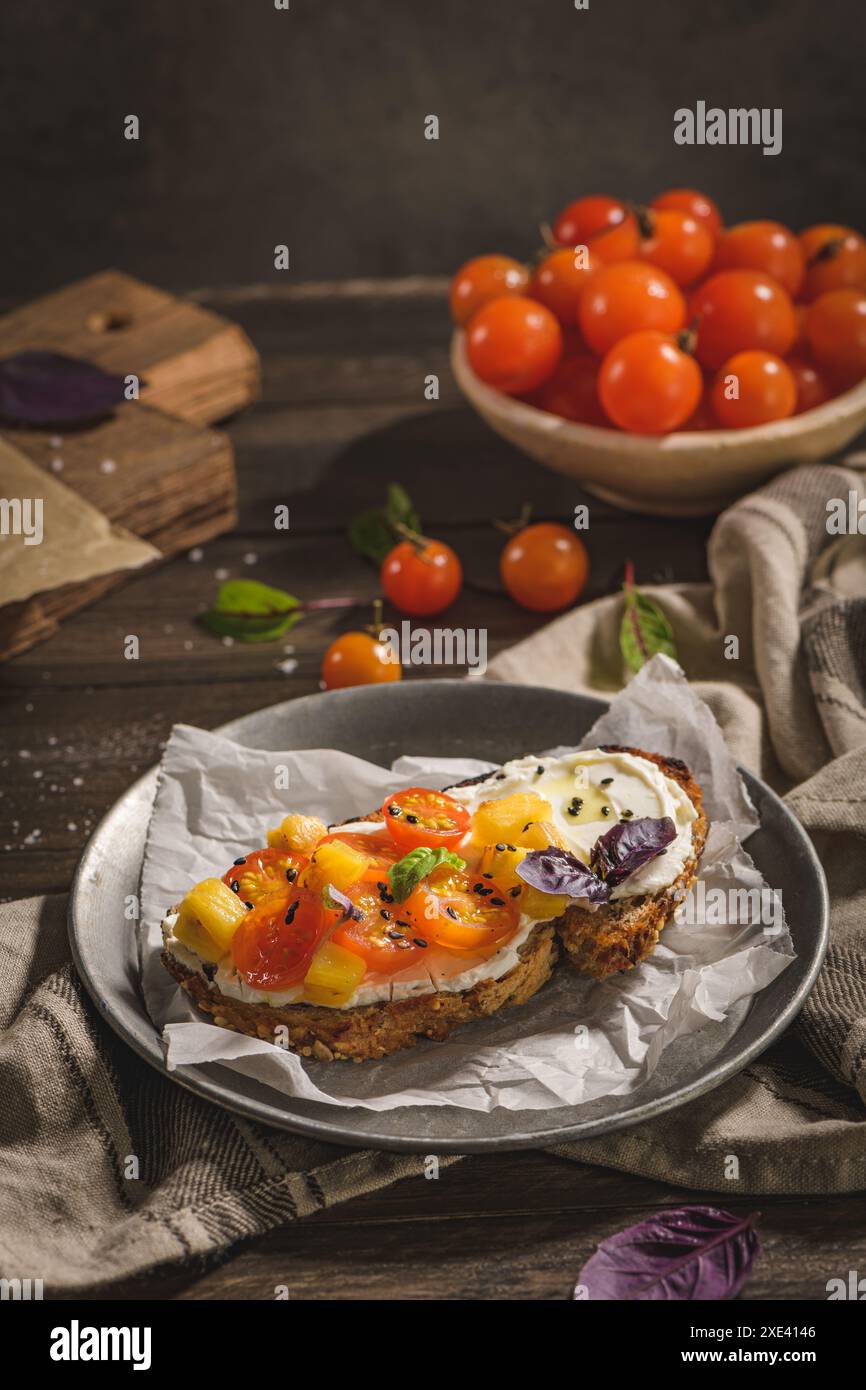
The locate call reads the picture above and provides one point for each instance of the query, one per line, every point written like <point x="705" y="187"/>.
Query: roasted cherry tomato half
<point x="264" y="874"/>
<point x="382" y="936"/>
<point x="420" y="816"/>
<point x="274" y="944"/>
<point x="461" y="912"/>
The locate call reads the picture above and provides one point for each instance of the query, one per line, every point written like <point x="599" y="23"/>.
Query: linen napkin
<point x="110" y="1170"/>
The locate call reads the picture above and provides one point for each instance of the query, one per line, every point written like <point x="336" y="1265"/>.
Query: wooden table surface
<point x="343" y="413"/>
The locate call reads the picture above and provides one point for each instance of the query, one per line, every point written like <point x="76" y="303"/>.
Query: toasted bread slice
<point x="621" y="934"/>
<point x="373" y="1030"/>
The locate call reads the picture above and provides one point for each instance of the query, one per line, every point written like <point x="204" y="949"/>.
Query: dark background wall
<point x="261" y="126"/>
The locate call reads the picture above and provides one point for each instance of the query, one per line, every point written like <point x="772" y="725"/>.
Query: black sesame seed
<point x="419" y="941"/>
<point x="511" y="848"/>
<point x="394" y="935"/>
<point x="291" y="912"/>
<point x="500" y="849"/>
<point x="383" y="912"/>
<point x="383" y="887"/>
<point x="403" y="944"/>
<point x="515" y="892"/>
<point x="240" y="861"/>
<point x="412" y="820"/>
<point x="478" y="888"/>
<point x="401" y="923"/>
<point x="485" y="892"/>
<point x="208" y="969"/>
<point x="249" y="905"/>
<point x="486" y="875"/>
<point x="291" y="875"/>
<point x="605" y="810"/>
<point x="526" y="826"/>
<point x="500" y="777"/>
<point x="606" y="781"/>
<point x="626" y="815"/>
<point x="235" y="886"/>
<point x="497" y="902"/>
<point x="451" y="913"/>
<point x="539" y="770"/>
<point x="394" y="811"/>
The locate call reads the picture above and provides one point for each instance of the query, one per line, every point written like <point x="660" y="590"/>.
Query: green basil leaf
<point x="373" y="532"/>
<point x="407" y="873"/>
<point x="371" y="535"/>
<point x="399" y="510"/>
<point x="251" y="611"/>
<point x="644" y="630"/>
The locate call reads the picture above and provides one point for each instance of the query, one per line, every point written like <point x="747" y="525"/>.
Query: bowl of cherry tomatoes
<point x="666" y="361"/>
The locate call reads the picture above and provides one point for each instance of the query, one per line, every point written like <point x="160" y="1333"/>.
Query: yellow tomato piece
<point x="212" y="906"/>
<point x="542" y="906"/>
<point x="333" y="976"/>
<point x="193" y="935"/>
<point x="299" y="833"/>
<point x="502" y="821"/>
<point x="538" y="834"/>
<point x="337" y="863"/>
<point x="502" y="864"/>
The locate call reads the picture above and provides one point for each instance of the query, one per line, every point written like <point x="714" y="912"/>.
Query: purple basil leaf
<point x="554" y="870"/>
<point x="47" y="388"/>
<point x="696" y="1253"/>
<point x="628" y="845"/>
<point x="334" y="898"/>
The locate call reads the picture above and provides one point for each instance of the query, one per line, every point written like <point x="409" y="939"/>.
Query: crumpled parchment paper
<point x="576" y="1039"/>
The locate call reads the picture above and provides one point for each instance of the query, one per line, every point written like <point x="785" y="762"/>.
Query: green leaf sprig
<point x="644" y="630"/>
<point x="407" y="873"/>
<point x="251" y="611"/>
<point x="376" y="531"/>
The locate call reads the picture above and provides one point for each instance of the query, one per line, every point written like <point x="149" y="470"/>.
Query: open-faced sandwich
<point x="353" y="941"/>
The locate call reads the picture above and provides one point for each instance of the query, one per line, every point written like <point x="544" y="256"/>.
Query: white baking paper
<point x="577" y="1039"/>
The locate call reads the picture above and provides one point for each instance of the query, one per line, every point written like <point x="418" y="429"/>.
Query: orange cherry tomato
<point x="421" y="579"/>
<point x="358" y="658"/>
<point x="765" y="246"/>
<point x="482" y="279"/>
<point x="264" y="874"/>
<point x="740" y="309"/>
<point x="648" y="384"/>
<point x="274" y="944"/>
<point x="694" y="203"/>
<point x="514" y="344"/>
<point x="626" y="297"/>
<point x="544" y="567"/>
<point x="678" y="243"/>
<point x="421" y="816"/>
<point x="586" y="217"/>
<point x="812" y="387"/>
<point x="382" y="936"/>
<point x="835" y="259"/>
<point x="836" y="333"/>
<point x="559" y="281"/>
<point x="572" y="391"/>
<point x="465" y="915"/>
<point x="765" y="390"/>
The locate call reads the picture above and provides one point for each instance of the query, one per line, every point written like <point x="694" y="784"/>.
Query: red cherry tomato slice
<point x="420" y="816"/>
<point x="382" y="936"/>
<point x="463" y="914"/>
<point x="274" y="944"/>
<point x="264" y="874"/>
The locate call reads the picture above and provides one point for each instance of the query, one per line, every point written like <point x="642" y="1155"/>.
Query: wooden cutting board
<point x="151" y="468"/>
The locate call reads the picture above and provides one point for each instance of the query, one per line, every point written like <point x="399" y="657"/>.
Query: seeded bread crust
<point x="373" y="1030"/>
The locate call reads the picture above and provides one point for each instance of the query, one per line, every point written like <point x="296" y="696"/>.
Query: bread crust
<point x="370" y="1031"/>
<point x="598" y="943"/>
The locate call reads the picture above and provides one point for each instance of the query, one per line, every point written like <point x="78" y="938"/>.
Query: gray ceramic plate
<point x="444" y="718"/>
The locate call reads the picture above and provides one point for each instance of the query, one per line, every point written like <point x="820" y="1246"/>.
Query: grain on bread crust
<point x="621" y="934"/>
<point x="370" y="1031"/>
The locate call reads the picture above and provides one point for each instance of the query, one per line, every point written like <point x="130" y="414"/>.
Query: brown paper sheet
<point x="50" y="536"/>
